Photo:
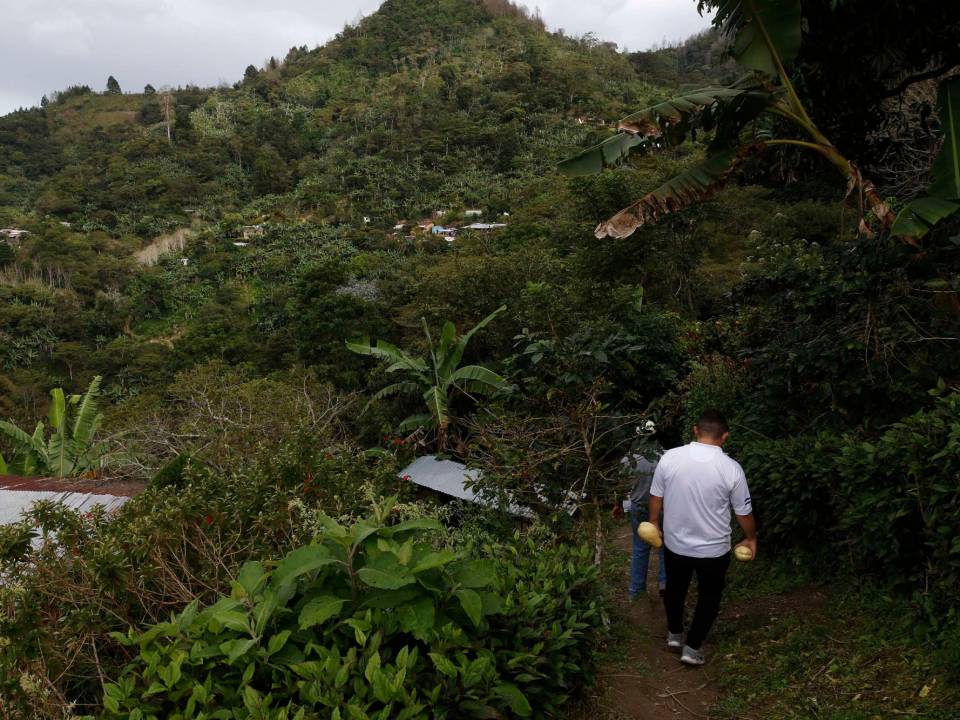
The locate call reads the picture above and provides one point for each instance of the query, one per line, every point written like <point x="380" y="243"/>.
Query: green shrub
<point x="95" y="573"/>
<point x="374" y="621"/>
<point x="889" y="505"/>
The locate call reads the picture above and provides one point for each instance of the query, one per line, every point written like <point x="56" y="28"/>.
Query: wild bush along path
<point x="641" y="679"/>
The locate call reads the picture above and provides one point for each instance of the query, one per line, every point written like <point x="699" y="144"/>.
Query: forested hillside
<point x="216" y="266"/>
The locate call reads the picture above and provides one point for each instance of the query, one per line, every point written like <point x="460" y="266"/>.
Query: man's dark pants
<point x="711" y="578"/>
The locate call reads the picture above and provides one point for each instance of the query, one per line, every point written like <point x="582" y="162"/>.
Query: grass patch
<point x="792" y="649"/>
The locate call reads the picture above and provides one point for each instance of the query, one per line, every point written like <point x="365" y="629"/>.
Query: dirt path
<point x="641" y="679"/>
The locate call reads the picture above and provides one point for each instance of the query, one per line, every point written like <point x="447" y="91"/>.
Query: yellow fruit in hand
<point x="649" y="534"/>
<point x="743" y="553"/>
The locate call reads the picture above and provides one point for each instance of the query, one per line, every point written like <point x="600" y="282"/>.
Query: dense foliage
<point x="208" y="253"/>
<point x="374" y="621"/>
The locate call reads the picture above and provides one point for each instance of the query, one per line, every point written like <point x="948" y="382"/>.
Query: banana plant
<point x="766" y="35"/>
<point x="435" y="378"/>
<point x="71" y="450"/>
<point x="919" y="216"/>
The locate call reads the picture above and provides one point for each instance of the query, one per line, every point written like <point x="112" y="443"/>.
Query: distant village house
<point x="249" y="232"/>
<point x="13" y="235"/>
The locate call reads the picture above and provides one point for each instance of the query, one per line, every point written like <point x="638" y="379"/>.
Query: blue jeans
<point x="640" y="561"/>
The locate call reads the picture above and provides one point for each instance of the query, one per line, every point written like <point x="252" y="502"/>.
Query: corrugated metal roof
<point x="17" y="496"/>
<point x="450" y="478"/>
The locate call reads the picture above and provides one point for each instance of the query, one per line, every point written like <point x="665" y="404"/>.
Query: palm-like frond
<point x="385" y="351"/>
<point x="417" y="421"/>
<point x="610" y="153"/>
<point x="58" y="408"/>
<point x="456" y="354"/>
<point x="666" y="122"/>
<point x="395" y="389"/>
<point x="765" y="33"/>
<point x="693" y="184"/>
<point x="87" y="417"/>
<point x="436" y="399"/>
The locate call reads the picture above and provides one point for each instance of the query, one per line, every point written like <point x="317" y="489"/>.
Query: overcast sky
<point x="50" y="44"/>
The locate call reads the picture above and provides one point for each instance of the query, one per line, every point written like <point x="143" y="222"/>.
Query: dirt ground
<point x="641" y="679"/>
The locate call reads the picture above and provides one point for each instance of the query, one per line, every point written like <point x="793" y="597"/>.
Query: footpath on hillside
<point x="640" y="678"/>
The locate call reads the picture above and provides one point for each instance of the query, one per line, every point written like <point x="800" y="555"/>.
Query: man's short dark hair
<point x="713" y="423"/>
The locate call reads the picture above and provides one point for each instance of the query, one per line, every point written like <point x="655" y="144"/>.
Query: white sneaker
<point x="674" y="640"/>
<point x="692" y="657"/>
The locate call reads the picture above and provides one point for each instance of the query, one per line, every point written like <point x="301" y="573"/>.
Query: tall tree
<point x="112" y="85"/>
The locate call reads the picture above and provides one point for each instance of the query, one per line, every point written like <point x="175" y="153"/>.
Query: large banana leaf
<point x="479" y="380"/>
<point x="386" y="351"/>
<point x="3" y="466"/>
<point x="416" y="421"/>
<point x="766" y="33"/>
<point x="670" y="119"/>
<point x="59" y="456"/>
<point x="917" y="218"/>
<point x="24" y="442"/>
<point x="88" y="418"/>
<point x="610" y="153"/>
<point x="456" y="354"/>
<point x="395" y="389"/>
<point x="693" y="184"/>
<point x="436" y="400"/>
<point x="946" y="166"/>
<point x="58" y="407"/>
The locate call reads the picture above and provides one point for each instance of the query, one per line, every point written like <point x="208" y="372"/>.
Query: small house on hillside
<point x="249" y="232"/>
<point x="473" y="213"/>
<point x="425" y="226"/>
<point x="13" y="236"/>
<point x="445" y="232"/>
<point x="485" y="227"/>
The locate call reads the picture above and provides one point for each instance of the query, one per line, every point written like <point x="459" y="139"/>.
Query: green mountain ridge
<point x="420" y="106"/>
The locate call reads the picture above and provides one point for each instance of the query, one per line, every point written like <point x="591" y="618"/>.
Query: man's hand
<point x="750" y="543"/>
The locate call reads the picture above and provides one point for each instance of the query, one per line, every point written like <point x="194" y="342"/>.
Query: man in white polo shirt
<point x="697" y="486"/>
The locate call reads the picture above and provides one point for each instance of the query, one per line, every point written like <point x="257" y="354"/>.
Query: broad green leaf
<point x="234" y="649"/>
<point x="417" y="617"/>
<point x="423" y="523"/>
<point x="319" y="610"/>
<point x="443" y="665"/>
<point x="434" y="560"/>
<point x="476" y="573"/>
<point x="232" y="619"/>
<point x="250" y="577"/>
<point x="384" y="579"/>
<point x="300" y="562"/>
<point x="472" y="605"/>
<point x="516" y="700"/>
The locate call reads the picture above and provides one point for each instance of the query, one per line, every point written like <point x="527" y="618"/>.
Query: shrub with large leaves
<point x="372" y="621"/>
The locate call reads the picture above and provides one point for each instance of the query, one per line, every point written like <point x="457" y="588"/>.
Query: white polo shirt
<point x="700" y="485"/>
